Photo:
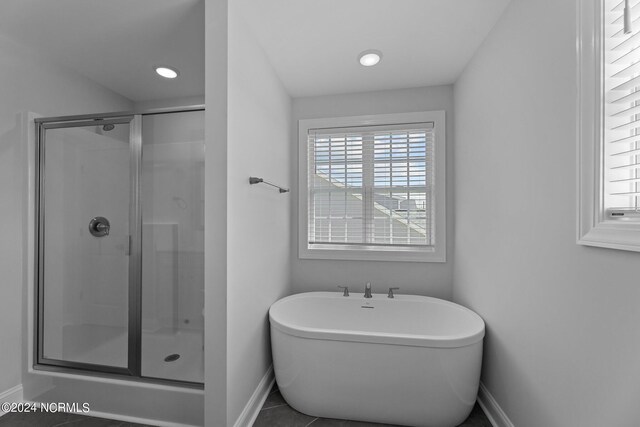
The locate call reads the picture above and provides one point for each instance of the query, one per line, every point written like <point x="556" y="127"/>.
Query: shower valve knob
<point x="99" y="226"/>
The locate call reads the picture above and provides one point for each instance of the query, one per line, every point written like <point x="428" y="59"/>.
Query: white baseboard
<point x="494" y="412"/>
<point x="253" y="406"/>
<point x="13" y="395"/>
<point x="136" y="420"/>
<point x="126" y="418"/>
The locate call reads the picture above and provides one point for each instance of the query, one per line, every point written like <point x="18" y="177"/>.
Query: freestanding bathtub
<point x="410" y="360"/>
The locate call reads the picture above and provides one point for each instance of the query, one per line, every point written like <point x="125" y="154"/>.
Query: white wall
<point x="258" y="226"/>
<point x="29" y="83"/>
<point x="563" y="342"/>
<point x="433" y="279"/>
<point x="215" y="222"/>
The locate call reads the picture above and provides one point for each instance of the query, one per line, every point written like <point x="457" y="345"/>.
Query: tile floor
<point x="276" y="413"/>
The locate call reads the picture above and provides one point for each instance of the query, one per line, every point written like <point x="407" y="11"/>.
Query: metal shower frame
<point x="133" y="371"/>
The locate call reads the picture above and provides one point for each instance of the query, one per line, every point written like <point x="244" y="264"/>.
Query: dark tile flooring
<point x="276" y="413"/>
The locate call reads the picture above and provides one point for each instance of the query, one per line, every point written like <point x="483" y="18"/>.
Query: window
<point x="621" y="115"/>
<point x="372" y="187"/>
<point x="609" y="124"/>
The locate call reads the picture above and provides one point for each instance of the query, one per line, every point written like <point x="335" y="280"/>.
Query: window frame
<point x="593" y="228"/>
<point x="436" y="253"/>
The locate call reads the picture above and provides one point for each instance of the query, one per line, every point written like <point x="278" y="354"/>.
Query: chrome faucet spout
<point x="367" y="290"/>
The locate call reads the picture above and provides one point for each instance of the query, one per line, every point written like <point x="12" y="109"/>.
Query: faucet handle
<point x="346" y="290"/>
<point x="367" y="290"/>
<point x="390" y="294"/>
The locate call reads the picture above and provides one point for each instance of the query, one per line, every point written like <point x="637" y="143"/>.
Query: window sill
<point x="613" y="236"/>
<point x="338" y="252"/>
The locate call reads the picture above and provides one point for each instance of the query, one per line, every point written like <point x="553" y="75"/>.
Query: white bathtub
<point x="410" y="360"/>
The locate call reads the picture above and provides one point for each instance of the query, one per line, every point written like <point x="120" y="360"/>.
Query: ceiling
<point x="313" y="45"/>
<point x="116" y="43"/>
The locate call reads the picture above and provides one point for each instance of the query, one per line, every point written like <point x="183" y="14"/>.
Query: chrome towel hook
<point x="256" y="180"/>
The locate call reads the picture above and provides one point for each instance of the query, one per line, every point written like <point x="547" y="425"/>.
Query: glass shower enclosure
<point x="120" y="244"/>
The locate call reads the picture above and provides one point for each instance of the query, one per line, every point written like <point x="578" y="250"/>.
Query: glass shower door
<point x="172" y="200"/>
<point x="85" y="266"/>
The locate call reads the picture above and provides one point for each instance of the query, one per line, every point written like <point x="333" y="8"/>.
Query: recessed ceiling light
<point x="166" y="72"/>
<point x="369" y="58"/>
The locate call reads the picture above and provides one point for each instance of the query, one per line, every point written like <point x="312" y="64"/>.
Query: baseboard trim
<point x="135" y="420"/>
<point x="494" y="412"/>
<point x="125" y="418"/>
<point x="255" y="403"/>
<point x="13" y="395"/>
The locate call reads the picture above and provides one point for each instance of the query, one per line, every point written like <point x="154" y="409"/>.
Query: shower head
<point x="108" y="127"/>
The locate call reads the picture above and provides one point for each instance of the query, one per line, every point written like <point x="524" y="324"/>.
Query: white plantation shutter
<point x="621" y="83"/>
<point x="371" y="185"/>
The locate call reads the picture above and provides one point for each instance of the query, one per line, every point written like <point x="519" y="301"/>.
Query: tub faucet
<point x="367" y="290"/>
